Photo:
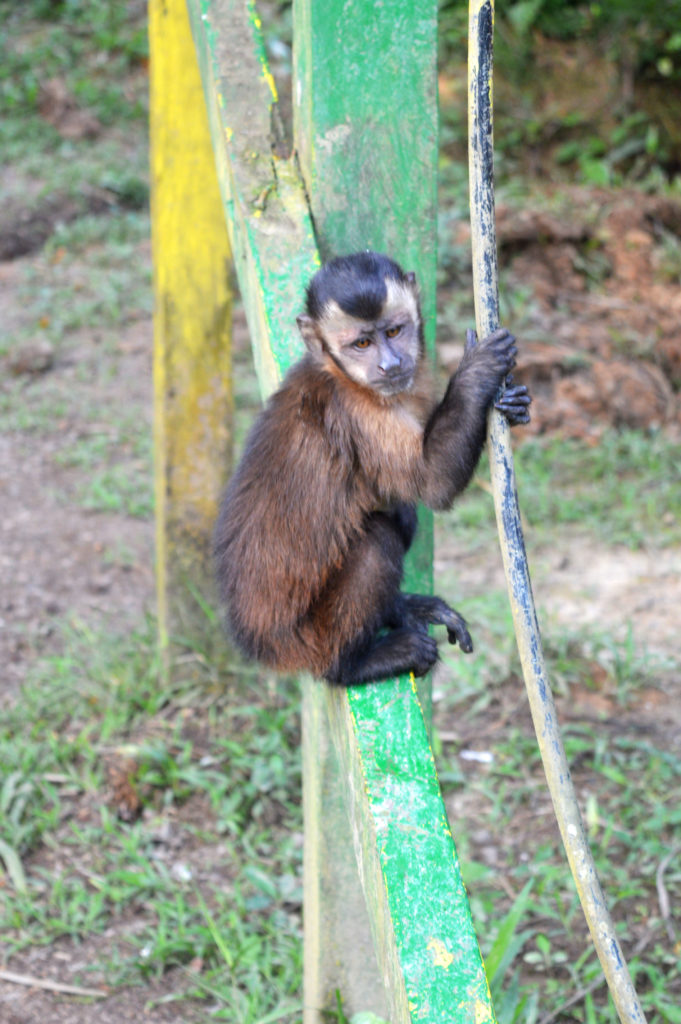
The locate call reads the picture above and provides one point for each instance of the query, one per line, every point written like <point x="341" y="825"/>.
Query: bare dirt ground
<point x="61" y="561"/>
<point x="57" y="558"/>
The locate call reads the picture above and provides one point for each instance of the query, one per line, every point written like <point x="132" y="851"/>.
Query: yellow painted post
<point x="192" y="322"/>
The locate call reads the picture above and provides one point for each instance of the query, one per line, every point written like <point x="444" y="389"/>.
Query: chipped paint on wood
<point x="264" y="200"/>
<point x="416" y="887"/>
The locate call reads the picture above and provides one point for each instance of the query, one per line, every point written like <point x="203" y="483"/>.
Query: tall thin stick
<point x="485" y="283"/>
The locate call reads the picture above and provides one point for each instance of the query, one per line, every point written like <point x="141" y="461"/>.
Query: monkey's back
<point x="286" y="520"/>
<point x="320" y="458"/>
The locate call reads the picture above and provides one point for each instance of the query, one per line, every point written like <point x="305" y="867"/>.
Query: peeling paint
<point x="441" y="955"/>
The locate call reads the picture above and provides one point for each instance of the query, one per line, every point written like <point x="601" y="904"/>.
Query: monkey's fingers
<point x="513" y="403"/>
<point x="471" y="340"/>
<point x="501" y="349"/>
<point x="516" y="417"/>
<point x="515" y="396"/>
<point x="501" y="338"/>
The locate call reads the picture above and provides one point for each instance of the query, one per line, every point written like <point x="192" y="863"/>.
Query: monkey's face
<point x="382" y="353"/>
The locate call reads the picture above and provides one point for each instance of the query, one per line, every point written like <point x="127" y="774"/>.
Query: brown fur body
<point x="319" y="513"/>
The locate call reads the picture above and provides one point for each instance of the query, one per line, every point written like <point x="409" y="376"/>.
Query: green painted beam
<point x="380" y="766"/>
<point x="267" y="215"/>
<point x="424" y="934"/>
<point x="365" y="110"/>
<point x="366" y="128"/>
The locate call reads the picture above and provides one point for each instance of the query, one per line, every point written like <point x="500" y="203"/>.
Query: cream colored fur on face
<point x="345" y="329"/>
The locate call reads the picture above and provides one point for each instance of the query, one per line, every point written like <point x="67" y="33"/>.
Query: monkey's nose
<point x="390" y="364"/>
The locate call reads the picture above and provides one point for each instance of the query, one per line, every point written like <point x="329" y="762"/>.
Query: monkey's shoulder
<point x="308" y="407"/>
<point x="323" y="420"/>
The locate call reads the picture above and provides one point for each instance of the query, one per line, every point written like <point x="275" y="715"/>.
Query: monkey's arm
<point x="455" y="433"/>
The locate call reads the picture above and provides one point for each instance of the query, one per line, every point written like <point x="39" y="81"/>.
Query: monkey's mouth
<point x="395" y="385"/>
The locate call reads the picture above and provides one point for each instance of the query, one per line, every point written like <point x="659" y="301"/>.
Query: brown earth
<point x="602" y="342"/>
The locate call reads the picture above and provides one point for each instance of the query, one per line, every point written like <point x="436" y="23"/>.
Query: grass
<point x="92" y="274"/>
<point x="627" y="772"/>
<point x="93" y="46"/>
<point x="211" y="869"/>
<point x="571" y="483"/>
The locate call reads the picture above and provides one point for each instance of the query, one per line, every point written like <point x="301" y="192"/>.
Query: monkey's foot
<point x="397" y="653"/>
<point x="419" y="610"/>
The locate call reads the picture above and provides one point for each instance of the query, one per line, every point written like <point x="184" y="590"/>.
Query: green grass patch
<point x="93" y="46"/>
<point x="93" y="274"/>
<point x="210" y="868"/>
<point x="624" y="490"/>
<point x="627" y="773"/>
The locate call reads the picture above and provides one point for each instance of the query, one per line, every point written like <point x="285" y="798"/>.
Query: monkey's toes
<point x="459" y="634"/>
<point x="424" y="654"/>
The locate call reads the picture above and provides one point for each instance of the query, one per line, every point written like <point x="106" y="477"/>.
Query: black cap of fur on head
<point x="356" y="283"/>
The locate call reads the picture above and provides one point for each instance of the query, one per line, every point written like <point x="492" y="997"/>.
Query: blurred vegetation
<point x="592" y="86"/>
<point x="93" y="46"/>
<point x="643" y="33"/>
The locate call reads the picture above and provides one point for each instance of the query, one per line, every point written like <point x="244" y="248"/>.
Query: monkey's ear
<point x="308" y="329"/>
<point x="410" y="278"/>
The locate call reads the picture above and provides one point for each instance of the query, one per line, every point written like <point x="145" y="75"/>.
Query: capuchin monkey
<point x="316" y="520"/>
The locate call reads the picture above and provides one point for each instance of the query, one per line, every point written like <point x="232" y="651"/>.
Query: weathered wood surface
<point x="192" y="321"/>
<point x="264" y="201"/>
<point x="428" y="957"/>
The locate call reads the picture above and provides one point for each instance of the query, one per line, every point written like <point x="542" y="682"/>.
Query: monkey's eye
<point x="362" y="343"/>
<point x="392" y="332"/>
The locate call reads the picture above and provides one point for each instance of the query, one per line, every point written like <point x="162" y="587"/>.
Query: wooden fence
<point x="386" y="918"/>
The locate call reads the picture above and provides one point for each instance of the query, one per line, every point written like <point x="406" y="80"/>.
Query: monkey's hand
<point x="514" y="402"/>
<point x="498" y="350"/>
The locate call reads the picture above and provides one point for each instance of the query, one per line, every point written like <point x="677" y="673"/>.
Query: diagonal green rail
<point x="368" y="179"/>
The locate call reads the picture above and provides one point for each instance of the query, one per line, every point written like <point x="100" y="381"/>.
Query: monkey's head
<point x="362" y="316"/>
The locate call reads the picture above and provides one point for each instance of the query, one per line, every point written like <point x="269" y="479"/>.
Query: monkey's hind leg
<point x="376" y="643"/>
<point x="393" y="654"/>
<point x="421" y="610"/>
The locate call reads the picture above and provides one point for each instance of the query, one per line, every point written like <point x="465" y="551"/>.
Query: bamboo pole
<point x="485" y="279"/>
